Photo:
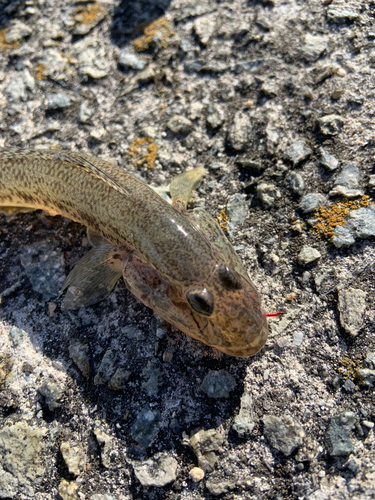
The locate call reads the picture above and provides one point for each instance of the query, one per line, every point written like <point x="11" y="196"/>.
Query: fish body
<point x="177" y="262"/>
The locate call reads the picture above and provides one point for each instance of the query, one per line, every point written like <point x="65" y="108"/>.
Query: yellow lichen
<point x="40" y="72"/>
<point x="160" y="27"/>
<point x="348" y="367"/>
<point x="4" y="45"/>
<point x="87" y="14"/>
<point x="336" y="215"/>
<point x="143" y="151"/>
<point x="223" y="219"/>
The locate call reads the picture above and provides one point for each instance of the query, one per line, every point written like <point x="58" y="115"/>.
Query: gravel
<point x="274" y="100"/>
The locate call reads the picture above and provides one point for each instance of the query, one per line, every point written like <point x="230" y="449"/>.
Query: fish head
<point x="227" y="310"/>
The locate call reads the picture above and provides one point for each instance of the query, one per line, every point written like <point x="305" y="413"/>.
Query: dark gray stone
<point x="311" y="202"/>
<point x="328" y="160"/>
<point x="153" y="379"/>
<point x="339" y="443"/>
<point x="347" y="182"/>
<point x="298" y="152"/>
<point x="106" y="368"/>
<point x="218" y="384"/>
<point x="145" y="428"/>
<point x="78" y="352"/>
<point x="343" y="236"/>
<point x="362" y="222"/>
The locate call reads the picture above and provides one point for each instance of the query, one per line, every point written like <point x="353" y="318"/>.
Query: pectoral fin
<point x="182" y="187"/>
<point x="96" y="239"/>
<point x="94" y="277"/>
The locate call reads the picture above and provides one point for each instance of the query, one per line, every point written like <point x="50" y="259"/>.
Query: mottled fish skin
<point x="173" y="255"/>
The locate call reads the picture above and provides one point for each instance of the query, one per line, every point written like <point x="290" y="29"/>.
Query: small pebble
<point x="59" y="101"/>
<point x="314" y="47"/>
<point x="86" y="111"/>
<point x="68" y="490"/>
<point x="215" y="116"/>
<point x="352" y="466"/>
<point x="98" y="133"/>
<point x="106" y="368"/>
<point x="308" y="254"/>
<point x="368" y="424"/>
<point x="204" y="444"/>
<point x="87" y="17"/>
<point x="130" y="60"/>
<point x="340" y="15"/>
<point x="16" y="31"/>
<point x="52" y="393"/>
<point x="336" y="94"/>
<point x="331" y="124"/>
<point x="328" y="160"/>
<point x="238" y="210"/>
<point x="267" y="194"/>
<point x="239" y="131"/>
<point x="362" y="222"/>
<point x="92" y="57"/>
<point x="74" y="457"/>
<point x="297" y="339"/>
<point x="306" y="277"/>
<point x="244" y="422"/>
<point x="196" y="474"/>
<point x="119" y="379"/>
<point x="296" y="182"/>
<point x="156" y="472"/>
<point x="78" y="352"/>
<point x="204" y="27"/>
<point x="17" y="336"/>
<point x="179" y="125"/>
<point x="282" y="342"/>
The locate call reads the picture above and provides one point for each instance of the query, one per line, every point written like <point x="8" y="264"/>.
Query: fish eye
<point x="228" y="279"/>
<point x="201" y="301"/>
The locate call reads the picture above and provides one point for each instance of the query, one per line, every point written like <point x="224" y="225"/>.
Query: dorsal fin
<point x="90" y="167"/>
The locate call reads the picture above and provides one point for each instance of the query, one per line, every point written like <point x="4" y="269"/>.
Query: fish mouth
<point x="243" y="349"/>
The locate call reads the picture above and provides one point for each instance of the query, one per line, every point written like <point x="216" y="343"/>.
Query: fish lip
<point x="249" y="349"/>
